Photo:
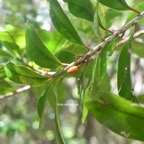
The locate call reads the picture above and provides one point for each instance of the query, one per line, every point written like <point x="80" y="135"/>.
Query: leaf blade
<point x="23" y="75"/>
<point x="124" y="76"/>
<point x="81" y="9"/>
<point x="121" y="116"/>
<point x="116" y="4"/>
<point x="38" y="52"/>
<point x="62" y="23"/>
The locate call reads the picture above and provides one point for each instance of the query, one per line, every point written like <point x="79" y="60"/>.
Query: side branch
<point x="109" y="39"/>
<point x="20" y="90"/>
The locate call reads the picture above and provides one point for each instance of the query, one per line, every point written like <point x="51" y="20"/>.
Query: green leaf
<point x="23" y="75"/>
<point x="81" y="8"/>
<point x="116" y="4"/>
<point x="62" y="23"/>
<point x="38" y="52"/>
<point x="139" y="7"/>
<point x="13" y="35"/>
<point x="88" y="89"/>
<point x="12" y="48"/>
<point x="41" y="103"/>
<point x="102" y="66"/>
<point x="54" y="41"/>
<point x="84" y="9"/>
<point x="66" y="56"/>
<point x="5" y="53"/>
<point x="124" y="77"/>
<point x="121" y="116"/>
<point x="57" y="123"/>
<point x="96" y="20"/>
<point x="5" y="87"/>
<point x="102" y="61"/>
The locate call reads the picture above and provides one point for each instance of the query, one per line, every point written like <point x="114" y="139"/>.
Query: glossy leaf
<point x="38" y="52"/>
<point x="121" y="116"/>
<point x="124" y="77"/>
<point x="62" y="23"/>
<point x="116" y="4"/>
<point x="23" y="75"/>
<point x="81" y="8"/>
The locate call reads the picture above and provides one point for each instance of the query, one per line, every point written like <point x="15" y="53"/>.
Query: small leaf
<point x="23" y="75"/>
<point x="124" y="77"/>
<point x="62" y="23"/>
<point x="41" y="103"/>
<point x="38" y="52"/>
<point x="81" y="8"/>
<point x="116" y="4"/>
<point x="121" y="116"/>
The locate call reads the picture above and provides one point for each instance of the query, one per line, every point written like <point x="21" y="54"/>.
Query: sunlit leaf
<point x="13" y="35"/>
<point x="23" y="75"/>
<point x="62" y="23"/>
<point x="121" y="116"/>
<point x="38" y="52"/>
<point x="52" y="40"/>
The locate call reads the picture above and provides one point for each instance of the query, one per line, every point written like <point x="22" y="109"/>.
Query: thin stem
<point x="20" y="90"/>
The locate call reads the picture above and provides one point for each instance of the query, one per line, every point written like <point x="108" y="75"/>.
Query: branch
<point x="125" y="39"/>
<point x="100" y="46"/>
<point x="110" y="38"/>
<point x="20" y="90"/>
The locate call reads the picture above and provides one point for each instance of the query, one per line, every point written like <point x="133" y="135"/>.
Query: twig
<point x="109" y="39"/>
<point x="100" y="46"/>
<point x="20" y="90"/>
<point x="125" y="39"/>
